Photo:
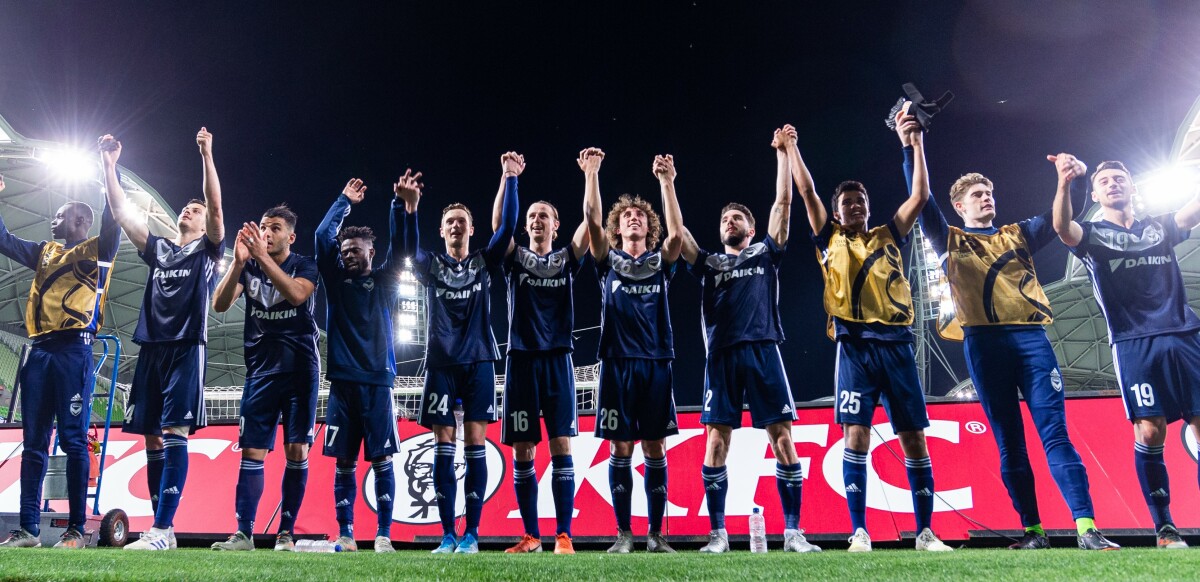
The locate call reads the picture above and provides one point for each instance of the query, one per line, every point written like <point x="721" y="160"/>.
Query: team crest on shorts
<point x="1056" y="380"/>
<point x="415" y="499"/>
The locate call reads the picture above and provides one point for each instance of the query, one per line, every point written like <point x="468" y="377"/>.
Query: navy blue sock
<point x="526" y="487"/>
<point x="716" y="485"/>
<point x="920" y="482"/>
<point x="345" y="491"/>
<point x="385" y="492"/>
<point x="656" y="491"/>
<point x="33" y="472"/>
<point x="155" y="459"/>
<point x="563" y="488"/>
<point x="295" y="480"/>
<point x="620" y="484"/>
<point x="475" y="484"/>
<point x="249" y="491"/>
<point x="789" y="481"/>
<point x="854" y="473"/>
<point x="445" y="485"/>
<point x="174" y="475"/>
<point x="1156" y="485"/>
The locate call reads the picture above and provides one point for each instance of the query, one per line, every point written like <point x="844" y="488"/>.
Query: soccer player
<point x="1156" y="349"/>
<point x="636" y="348"/>
<point x="539" y="377"/>
<point x="461" y="352"/>
<point x="283" y="367"/>
<point x="360" y="358"/>
<point x="1002" y="312"/>
<point x="870" y="307"/>
<point x="740" y="311"/>
<point x="63" y="314"/>
<point x="166" y="401"/>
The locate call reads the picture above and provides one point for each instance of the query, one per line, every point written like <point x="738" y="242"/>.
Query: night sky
<point x="301" y="99"/>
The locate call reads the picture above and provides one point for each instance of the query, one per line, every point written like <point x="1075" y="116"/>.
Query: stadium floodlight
<point x="408" y="290"/>
<point x="404" y="335"/>
<point x="1167" y="188"/>
<point x="67" y="164"/>
<point x="408" y="319"/>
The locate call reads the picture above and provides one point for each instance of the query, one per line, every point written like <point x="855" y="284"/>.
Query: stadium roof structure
<point x="1079" y="333"/>
<point x="40" y="176"/>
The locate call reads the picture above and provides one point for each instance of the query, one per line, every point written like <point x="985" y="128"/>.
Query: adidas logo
<point x="852" y="488"/>
<point x="188" y="416"/>
<point x="129" y="413"/>
<point x="472" y="495"/>
<point x="790" y="485"/>
<point x="618" y="489"/>
<point x="440" y="496"/>
<point x="713" y="487"/>
<point x="660" y="489"/>
<point x="387" y="444"/>
<point x="237" y="515"/>
<point x="77" y="398"/>
<point x="171" y="491"/>
<point x="287" y="514"/>
<point x="672" y="424"/>
<point x="565" y="478"/>
<point x="1160" y="492"/>
<point x="924" y="492"/>
<point x="787" y="409"/>
<point x="572" y="425"/>
<point x="153" y="498"/>
<point x="384" y="497"/>
<point x="342" y="503"/>
<point x="492" y="409"/>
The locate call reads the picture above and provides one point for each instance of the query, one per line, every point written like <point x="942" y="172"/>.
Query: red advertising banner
<point x="965" y="462"/>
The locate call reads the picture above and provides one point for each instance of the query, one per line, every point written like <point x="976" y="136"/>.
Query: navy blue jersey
<point x="740" y="295"/>
<point x="1136" y="277"/>
<point x="854" y="329"/>
<point x="280" y="337"/>
<point x="358" y="318"/>
<point x="635" y="321"/>
<point x="541" y="310"/>
<point x="179" y="290"/>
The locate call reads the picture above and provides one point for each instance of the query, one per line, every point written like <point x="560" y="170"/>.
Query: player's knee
<point x="654" y="449"/>
<point x="524" y="452"/>
<point x="295" y="451"/>
<point x="346" y="463"/>
<point x="913" y="444"/>
<point x="182" y="431"/>
<point x="383" y="459"/>
<point x="620" y="448"/>
<point x="858" y="437"/>
<point x="154" y="442"/>
<point x="254" y="454"/>
<point x="444" y="434"/>
<point x="560" y="446"/>
<point x="1150" y="431"/>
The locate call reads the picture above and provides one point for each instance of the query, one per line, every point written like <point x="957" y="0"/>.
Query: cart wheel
<point x="114" y="529"/>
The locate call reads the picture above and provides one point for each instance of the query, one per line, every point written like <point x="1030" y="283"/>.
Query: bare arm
<point x="779" y="224"/>
<point x="691" y="250"/>
<point x="906" y="215"/>
<point x="664" y="170"/>
<point x="126" y="215"/>
<point x="215" y="216"/>
<point x="1069" y="168"/>
<point x="581" y="240"/>
<point x="589" y="161"/>
<point x="817" y="216"/>
<point x="295" y="289"/>
<point x="230" y="286"/>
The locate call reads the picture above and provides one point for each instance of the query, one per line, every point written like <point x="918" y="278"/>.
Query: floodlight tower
<point x="410" y="320"/>
<point x="931" y="298"/>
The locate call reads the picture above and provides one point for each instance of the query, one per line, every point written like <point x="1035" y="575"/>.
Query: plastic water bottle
<point x="318" y="546"/>
<point x="758" y="532"/>
<point x="458" y="420"/>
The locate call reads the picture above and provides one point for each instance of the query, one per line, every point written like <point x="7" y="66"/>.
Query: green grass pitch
<point x="831" y="566"/>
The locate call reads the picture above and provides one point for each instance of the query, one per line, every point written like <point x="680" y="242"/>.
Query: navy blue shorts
<point x="56" y="383"/>
<point x="752" y="372"/>
<point x="474" y="384"/>
<point x="636" y="400"/>
<point x="360" y="414"/>
<point x="868" y="373"/>
<point x="538" y="382"/>
<point x="288" y="396"/>
<point x="168" y="389"/>
<point x="1159" y="376"/>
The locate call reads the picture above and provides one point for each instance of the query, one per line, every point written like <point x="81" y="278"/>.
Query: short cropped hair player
<point x="360" y="360"/>
<point x="743" y="330"/>
<point x="539" y="379"/>
<point x="461" y="352"/>
<point x="64" y="312"/>
<point x="1153" y="331"/>
<point x="870" y="308"/>
<point x="636" y="398"/>
<point x="166" y="400"/>
<point x="1000" y="314"/>
<point x="283" y="366"/>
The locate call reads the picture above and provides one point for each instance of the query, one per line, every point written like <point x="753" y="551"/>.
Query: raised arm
<point x="589" y="161"/>
<point x="409" y="190"/>
<point x="781" y="211"/>
<point x="932" y="221"/>
<point x="327" y="232"/>
<point x="1068" y="168"/>
<point x="501" y="244"/>
<point x="127" y="215"/>
<point x="918" y="194"/>
<point x="817" y="216"/>
<point x="215" y="227"/>
<point x="16" y="248"/>
<point x="672" y="246"/>
<point x="230" y="286"/>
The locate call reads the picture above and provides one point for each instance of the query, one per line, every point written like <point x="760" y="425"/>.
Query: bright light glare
<point x="408" y="319"/>
<point x="407" y="290"/>
<point x="406" y="335"/>
<point x="70" y="165"/>
<point x="1169" y="188"/>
